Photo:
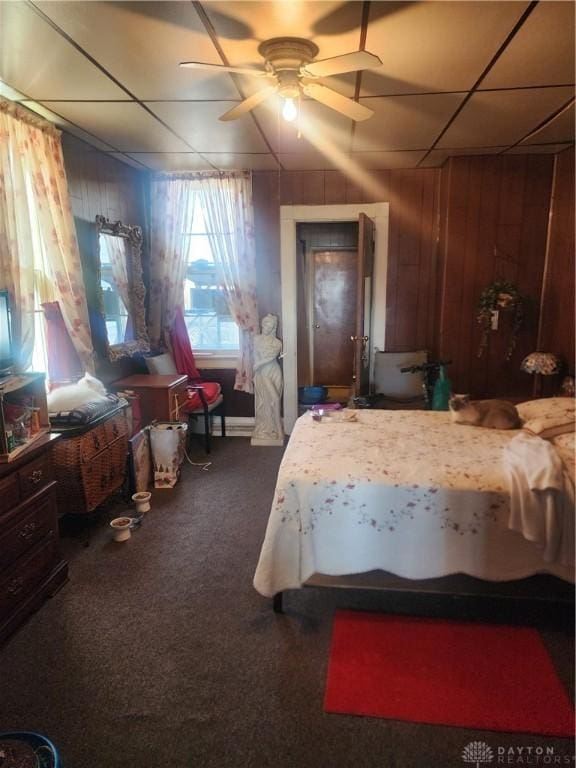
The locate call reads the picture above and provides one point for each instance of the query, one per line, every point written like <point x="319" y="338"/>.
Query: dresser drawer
<point x="9" y="492"/>
<point x="29" y="523"/>
<point x="35" y="476"/>
<point x="28" y="572"/>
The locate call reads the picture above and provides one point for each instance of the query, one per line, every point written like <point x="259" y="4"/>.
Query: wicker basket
<point x="91" y="465"/>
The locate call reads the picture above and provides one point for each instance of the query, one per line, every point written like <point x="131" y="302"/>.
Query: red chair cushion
<point x="212" y="392"/>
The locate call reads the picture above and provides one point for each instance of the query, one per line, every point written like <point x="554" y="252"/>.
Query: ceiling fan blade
<point x="338" y="65"/>
<point x="248" y="104"/>
<point x="334" y="100"/>
<point x="222" y="68"/>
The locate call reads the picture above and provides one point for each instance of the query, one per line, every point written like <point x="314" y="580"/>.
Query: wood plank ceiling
<point x="457" y="78"/>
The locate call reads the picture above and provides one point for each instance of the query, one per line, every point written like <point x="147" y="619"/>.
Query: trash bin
<point x="168" y="442"/>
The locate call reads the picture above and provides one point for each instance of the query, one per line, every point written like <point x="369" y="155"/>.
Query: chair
<point x="203" y="398"/>
<point x="394" y="389"/>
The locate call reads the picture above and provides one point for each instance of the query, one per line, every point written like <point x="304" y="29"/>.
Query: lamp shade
<point x="543" y="363"/>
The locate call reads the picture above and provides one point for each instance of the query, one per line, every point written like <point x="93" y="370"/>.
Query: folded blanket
<point x="84" y="414"/>
<point x="541" y="497"/>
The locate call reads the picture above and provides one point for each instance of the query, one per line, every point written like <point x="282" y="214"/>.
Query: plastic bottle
<point x="441" y="392"/>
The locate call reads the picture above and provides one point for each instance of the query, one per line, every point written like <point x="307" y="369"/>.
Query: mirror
<point x="120" y="289"/>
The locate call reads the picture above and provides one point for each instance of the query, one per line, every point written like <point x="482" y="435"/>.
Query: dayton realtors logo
<point x="478" y="754"/>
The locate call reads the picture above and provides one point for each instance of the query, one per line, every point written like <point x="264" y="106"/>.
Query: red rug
<point x="445" y="673"/>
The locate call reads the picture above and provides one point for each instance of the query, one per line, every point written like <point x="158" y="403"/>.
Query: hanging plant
<point x="499" y="296"/>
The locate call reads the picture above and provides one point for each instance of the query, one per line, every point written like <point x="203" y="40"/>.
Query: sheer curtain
<point x="172" y="209"/>
<point x="37" y="230"/>
<point x="226" y="200"/>
<point x="227" y="204"/>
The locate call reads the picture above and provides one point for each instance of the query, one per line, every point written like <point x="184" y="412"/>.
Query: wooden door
<point x="361" y="338"/>
<point x="334" y="318"/>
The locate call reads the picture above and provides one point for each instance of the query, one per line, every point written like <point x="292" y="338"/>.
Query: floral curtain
<point x="116" y="250"/>
<point x="37" y="229"/>
<point x="172" y="209"/>
<point x="227" y="205"/>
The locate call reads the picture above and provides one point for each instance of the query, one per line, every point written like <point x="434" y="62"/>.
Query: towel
<point x="541" y="497"/>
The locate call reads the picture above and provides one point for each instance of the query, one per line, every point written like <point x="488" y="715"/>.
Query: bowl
<point x="312" y="395"/>
<point x="121" y="528"/>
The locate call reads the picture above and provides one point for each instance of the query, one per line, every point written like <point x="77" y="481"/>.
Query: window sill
<point x="208" y="360"/>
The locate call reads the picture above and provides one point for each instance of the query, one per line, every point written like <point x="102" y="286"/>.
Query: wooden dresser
<point x="31" y="567"/>
<point x="157" y="393"/>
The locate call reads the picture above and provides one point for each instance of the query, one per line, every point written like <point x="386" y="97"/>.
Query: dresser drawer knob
<point x="28" y="530"/>
<point x="15" y="585"/>
<point x="35" y="477"/>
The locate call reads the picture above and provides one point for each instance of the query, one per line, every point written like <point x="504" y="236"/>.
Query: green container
<point x="441" y="392"/>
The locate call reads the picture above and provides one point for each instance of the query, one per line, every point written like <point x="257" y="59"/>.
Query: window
<point x="42" y="285"/>
<point x="209" y="324"/>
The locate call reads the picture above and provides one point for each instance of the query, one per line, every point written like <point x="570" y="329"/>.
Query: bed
<point x="409" y="493"/>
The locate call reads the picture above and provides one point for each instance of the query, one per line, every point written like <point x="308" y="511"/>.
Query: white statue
<point x="267" y="385"/>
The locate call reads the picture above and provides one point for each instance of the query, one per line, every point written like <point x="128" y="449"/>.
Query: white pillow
<point x="547" y="408"/>
<point x="547" y="428"/>
<point x="161" y="364"/>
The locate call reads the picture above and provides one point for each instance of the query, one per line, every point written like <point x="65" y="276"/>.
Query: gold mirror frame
<point x="141" y="344"/>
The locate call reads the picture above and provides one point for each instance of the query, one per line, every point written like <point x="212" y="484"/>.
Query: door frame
<point x="290" y="217"/>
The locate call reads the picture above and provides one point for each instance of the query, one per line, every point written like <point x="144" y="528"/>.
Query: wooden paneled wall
<point x="557" y="321"/>
<point x="100" y="184"/>
<point x="494" y="225"/>
<point x="452" y="232"/>
<point x="413" y="197"/>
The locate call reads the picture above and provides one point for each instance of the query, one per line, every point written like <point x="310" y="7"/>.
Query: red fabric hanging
<point x="185" y="363"/>
<point x="64" y="364"/>
<point x="182" y="349"/>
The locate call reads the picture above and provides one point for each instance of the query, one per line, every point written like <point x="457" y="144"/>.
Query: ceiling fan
<point x="289" y="65"/>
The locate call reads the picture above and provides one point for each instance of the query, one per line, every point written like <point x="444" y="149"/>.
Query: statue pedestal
<point x="267" y="441"/>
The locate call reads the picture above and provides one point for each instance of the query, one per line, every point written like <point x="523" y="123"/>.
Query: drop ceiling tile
<point x="38" y="61"/>
<point x="493" y="118"/>
<point x="64" y="125"/>
<point x="172" y="161"/>
<point x="405" y="122"/>
<point x="434" y="46"/>
<point x="125" y="126"/>
<point x="375" y="161"/>
<point x="540" y="149"/>
<point x="314" y="161"/>
<point x="198" y="123"/>
<point x="141" y="44"/>
<point x="333" y="26"/>
<point x="127" y="160"/>
<point x="541" y="52"/>
<point x="248" y="162"/>
<point x="559" y="130"/>
<point x="320" y="127"/>
<point x="438" y="157"/>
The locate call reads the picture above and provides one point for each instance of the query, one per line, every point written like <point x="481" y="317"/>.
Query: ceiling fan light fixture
<point x="289" y="110"/>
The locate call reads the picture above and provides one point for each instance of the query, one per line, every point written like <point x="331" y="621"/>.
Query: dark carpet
<point x="158" y="653"/>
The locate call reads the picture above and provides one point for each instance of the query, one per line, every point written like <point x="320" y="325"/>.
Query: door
<point x="334" y="315"/>
<point x="361" y="338"/>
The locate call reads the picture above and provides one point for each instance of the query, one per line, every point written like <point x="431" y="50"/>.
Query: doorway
<point x="327" y="285"/>
<point x="290" y="217"/>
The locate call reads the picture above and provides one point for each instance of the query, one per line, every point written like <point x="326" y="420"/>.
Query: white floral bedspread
<point x="403" y="491"/>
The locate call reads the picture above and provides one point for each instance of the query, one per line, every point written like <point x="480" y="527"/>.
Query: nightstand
<point x="157" y="393"/>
